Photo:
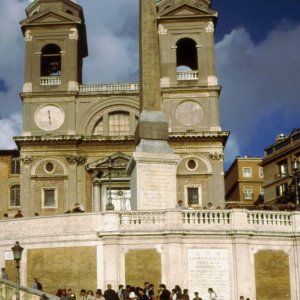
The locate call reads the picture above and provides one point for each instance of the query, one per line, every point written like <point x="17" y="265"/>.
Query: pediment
<point x="119" y="161"/>
<point x="186" y="9"/>
<point x="50" y="16"/>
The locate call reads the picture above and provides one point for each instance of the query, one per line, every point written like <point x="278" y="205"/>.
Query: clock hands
<point x="49" y="117"/>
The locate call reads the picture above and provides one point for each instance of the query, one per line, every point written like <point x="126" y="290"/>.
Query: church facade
<point x="77" y="139"/>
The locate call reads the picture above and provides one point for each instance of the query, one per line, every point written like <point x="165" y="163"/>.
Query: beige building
<point x="279" y="169"/>
<point x="244" y="182"/>
<point x="77" y="139"/>
<point x="9" y="182"/>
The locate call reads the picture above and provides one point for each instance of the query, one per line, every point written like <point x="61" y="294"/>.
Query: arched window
<point x="51" y="60"/>
<point x="15" y="196"/>
<point x="98" y="130"/>
<point x="119" y="123"/>
<point x="186" y="55"/>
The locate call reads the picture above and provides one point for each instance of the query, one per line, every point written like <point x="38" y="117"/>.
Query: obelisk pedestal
<point x="153" y="166"/>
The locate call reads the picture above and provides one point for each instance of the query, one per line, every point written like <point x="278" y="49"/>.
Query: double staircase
<point x="8" y="292"/>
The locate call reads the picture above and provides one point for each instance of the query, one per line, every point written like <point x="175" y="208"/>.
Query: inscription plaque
<point x="156" y="188"/>
<point x="209" y="268"/>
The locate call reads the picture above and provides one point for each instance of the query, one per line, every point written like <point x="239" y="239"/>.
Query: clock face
<point x="49" y="117"/>
<point x="189" y="113"/>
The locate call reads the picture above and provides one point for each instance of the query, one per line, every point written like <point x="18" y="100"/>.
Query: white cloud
<point x="232" y="150"/>
<point x="261" y="91"/>
<point x="10" y="127"/>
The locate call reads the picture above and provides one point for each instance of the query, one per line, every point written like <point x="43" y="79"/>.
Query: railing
<point x="156" y="221"/>
<point x="269" y="219"/>
<point x="144" y="217"/>
<point x="50" y="80"/>
<point x="8" y="292"/>
<point x="190" y="75"/>
<point x="206" y="217"/>
<point x="222" y="220"/>
<point x="119" y="87"/>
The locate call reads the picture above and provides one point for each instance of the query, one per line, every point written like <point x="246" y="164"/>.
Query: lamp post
<point x="109" y="205"/>
<point x="17" y="252"/>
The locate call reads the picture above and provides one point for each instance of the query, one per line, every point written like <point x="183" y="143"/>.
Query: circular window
<point x="191" y="164"/>
<point x="49" y="167"/>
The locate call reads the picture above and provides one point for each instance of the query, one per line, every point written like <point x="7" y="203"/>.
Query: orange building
<point x="244" y="181"/>
<point x="281" y="169"/>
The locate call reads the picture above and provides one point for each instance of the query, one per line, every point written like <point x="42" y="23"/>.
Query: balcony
<point x="187" y="75"/>
<point x="106" y="88"/>
<point x="50" y="80"/>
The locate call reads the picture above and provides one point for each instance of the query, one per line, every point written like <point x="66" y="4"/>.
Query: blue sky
<point x="257" y="58"/>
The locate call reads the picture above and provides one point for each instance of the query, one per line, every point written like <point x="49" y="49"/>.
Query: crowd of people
<point x="133" y="293"/>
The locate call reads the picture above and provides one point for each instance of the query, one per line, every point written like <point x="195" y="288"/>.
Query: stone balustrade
<point x="50" y="80"/>
<point x="89" y="225"/>
<point x="119" y="87"/>
<point x="187" y="75"/>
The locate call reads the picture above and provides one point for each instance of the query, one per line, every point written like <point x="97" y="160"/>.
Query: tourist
<point x="126" y="292"/>
<point x="121" y="292"/>
<point x="185" y="295"/>
<point x="110" y="294"/>
<point x="146" y="289"/>
<point x="173" y="294"/>
<point x="179" y="205"/>
<point x="132" y="294"/>
<point x="212" y="294"/>
<point x="78" y="208"/>
<point x="82" y="295"/>
<point x="179" y="292"/>
<point x="197" y="296"/>
<point x="71" y="294"/>
<point x="4" y="274"/>
<point x="210" y="206"/>
<point x="64" y="295"/>
<point x="36" y="285"/>
<point x="19" y="214"/>
<point x="165" y="294"/>
<point x="99" y="295"/>
<point x="142" y="295"/>
<point x="90" y="295"/>
<point x="242" y="298"/>
<point x="151" y="291"/>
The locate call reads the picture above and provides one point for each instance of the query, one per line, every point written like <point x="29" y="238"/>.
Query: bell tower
<point x="190" y="93"/>
<point x="55" y="45"/>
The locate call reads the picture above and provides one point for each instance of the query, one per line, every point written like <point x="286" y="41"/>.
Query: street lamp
<point x="109" y="205"/>
<point x="17" y="252"/>
<point x="295" y="167"/>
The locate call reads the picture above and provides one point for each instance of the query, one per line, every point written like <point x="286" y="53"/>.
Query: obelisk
<point x="153" y="166"/>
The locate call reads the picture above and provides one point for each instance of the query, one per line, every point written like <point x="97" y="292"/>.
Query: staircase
<point x="8" y="292"/>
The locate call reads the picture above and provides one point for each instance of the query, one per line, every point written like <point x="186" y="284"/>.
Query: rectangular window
<point x="248" y="195"/>
<point x="15" y="196"/>
<point x="193" y="195"/>
<point x="247" y="172"/>
<point x="261" y="172"/>
<point x="49" y="198"/>
<point x="283" y="168"/>
<point x="281" y="189"/>
<point x="15" y="166"/>
<point x="262" y="192"/>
